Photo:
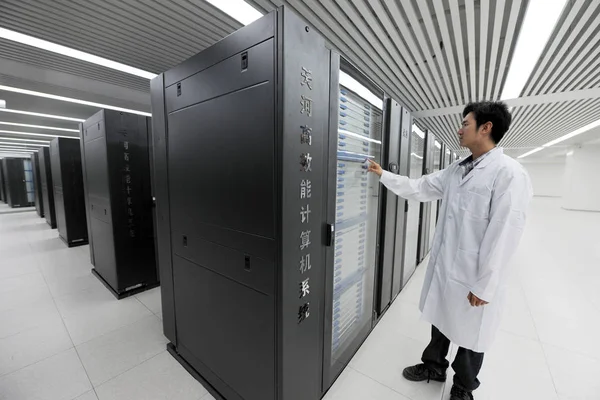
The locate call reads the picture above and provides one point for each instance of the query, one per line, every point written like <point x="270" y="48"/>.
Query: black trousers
<point x="466" y="365"/>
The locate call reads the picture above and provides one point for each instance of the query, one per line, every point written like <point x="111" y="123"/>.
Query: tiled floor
<point x="64" y="337"/>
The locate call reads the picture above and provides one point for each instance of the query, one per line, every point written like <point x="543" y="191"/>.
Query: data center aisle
<point x="63" y="336"/>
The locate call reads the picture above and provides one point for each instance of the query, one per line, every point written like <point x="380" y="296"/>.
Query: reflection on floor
<point x="64" y="336"/>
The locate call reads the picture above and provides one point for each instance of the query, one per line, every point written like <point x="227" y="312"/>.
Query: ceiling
<point x="432" y="55"/>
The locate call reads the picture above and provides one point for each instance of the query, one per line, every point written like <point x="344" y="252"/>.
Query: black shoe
<point x="460" y="394"/>
<point x="419" y="373"/>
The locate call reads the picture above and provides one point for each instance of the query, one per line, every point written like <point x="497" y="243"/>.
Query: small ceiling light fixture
<point x="238" y="10"/>
<point x="71" y="100"/>
<point x="66" y="51"/>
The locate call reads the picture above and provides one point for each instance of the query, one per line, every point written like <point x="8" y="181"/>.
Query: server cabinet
<point x="413" y="213"/>
<point x="116" y="172"/>
<point x="425" y="228"/>
<point x="14" y="177"/>
<point x="69" y="201"/>
<point x="37" y="182"/>
<point x="2" y="185"/>
<point x="267" y="222"/>
<point x="47" y="192"/>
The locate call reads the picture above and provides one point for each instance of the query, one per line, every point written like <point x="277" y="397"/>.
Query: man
<point x="485" y="199"/>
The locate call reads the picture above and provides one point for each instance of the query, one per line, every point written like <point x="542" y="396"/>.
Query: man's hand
<point x="374" y="167"/>
<point x="476" y="301"/>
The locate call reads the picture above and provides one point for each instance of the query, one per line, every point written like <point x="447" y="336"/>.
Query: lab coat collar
<point x="495" y="154"/>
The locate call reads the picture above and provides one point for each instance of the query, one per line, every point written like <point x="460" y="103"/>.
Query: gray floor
<point x="63" y="336"/>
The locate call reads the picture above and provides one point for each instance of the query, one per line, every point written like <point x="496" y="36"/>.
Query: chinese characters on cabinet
<point x="128" y="189"/>
<point x="305" y="133"/>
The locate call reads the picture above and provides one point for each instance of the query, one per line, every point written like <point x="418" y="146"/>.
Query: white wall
<point x="547" y="177"/>
<point x="582" y="179"/>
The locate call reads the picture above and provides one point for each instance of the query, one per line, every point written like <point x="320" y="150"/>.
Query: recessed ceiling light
<point x="534" y="35"/>
<point x="37" y="134"/>
<point x="24" y="140"/>
<point x="66" y="51"/>
<point x="52" y="128"/>
<point x="238" y="10"/>
<point x="577" y="132"/>
<point x="531" y="152"/>
<point x="71" y="100"/>
<point x="13" y="144"/>
<point x="34" y="114"/>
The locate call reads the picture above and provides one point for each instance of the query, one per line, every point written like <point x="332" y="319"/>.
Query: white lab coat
<point x="479" y="227"/>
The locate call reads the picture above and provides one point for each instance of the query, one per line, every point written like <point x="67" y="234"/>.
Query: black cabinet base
<point x="122" y="295"/>
<point x="74" y="244"/>
<point x="51" y="225"/>
<point x="171" y="349"/>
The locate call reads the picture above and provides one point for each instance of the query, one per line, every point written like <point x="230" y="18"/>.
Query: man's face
<point x="467" y="134"/>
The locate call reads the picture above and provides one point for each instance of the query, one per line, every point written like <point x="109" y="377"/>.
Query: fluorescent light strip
<point x="17" y="149"/>
<point x="535" y="32"/>
<point x="52" y="128"/>
<point x="531" y="152"/>
<point x="34" y="114"/>
<point x="23" y="140"/>
<point x="345" y="132"/>
<point x="238" y="10"/>
<point x="37" y="146"/>
<point x="71" y="100"/>
<point x="37" y="134"/>
<point x="568" y="136"/>
<point x="352" y="84"/>
<point x="66" y="51"/>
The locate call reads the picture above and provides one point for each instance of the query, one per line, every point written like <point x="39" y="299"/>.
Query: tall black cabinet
<point x="14" y="180"/>
<point x="116" y="171"/>
<point x="269" y="228"/>
<point x="37" y="182"/>
<point x="2" y="185"/>
<point x="69" y="202"/>
<point x="47" y="192"/>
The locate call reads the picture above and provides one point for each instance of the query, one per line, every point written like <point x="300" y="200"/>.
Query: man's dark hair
<point x="495" y="112"/>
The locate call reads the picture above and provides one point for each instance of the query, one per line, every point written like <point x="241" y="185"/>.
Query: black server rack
<point x="37" y="181"/>
<point x="47" y="192"/>
<point x="267" y="223"/>
<point x="2" y="185"/>
<point x="116" y="175"/>
<point x="14" y="178"/>
<point x="425" y="231"/>
<point x="69" y="202"/>
<point x="397" y="161"/>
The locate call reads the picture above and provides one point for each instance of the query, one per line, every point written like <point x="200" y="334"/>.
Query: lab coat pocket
<point x="472" y="233"/>
<point x="477" y="203"/>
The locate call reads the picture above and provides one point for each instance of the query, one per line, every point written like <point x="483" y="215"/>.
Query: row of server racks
<point x="96" y="190"/>
<point x="278" y="253"/>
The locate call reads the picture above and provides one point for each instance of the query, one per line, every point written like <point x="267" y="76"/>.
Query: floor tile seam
<point x="129" y="369"/>
<point x="386" y="386"/>
<point x="72" y="342"/>
<point x="36" y="362"/>
<point x="116" y="329"/>
<point x="579" y="353"/>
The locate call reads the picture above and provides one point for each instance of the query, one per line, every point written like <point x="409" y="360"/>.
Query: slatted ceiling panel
<point x="45" y="59"/>
<point x="152" y="35"/>
<point x="574" y="40"/>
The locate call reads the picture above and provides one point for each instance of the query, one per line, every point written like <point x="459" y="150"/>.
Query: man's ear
<point x="487" y="128"/>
